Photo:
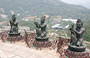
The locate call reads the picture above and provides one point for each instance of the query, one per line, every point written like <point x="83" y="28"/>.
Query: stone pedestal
<point x="14" y="37"/>
<point x="71" y="54"/>
<point x="42" y="43"/>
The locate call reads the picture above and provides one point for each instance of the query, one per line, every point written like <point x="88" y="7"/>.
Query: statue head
<point x="43" y="20"/>
<point x="14" y="17"/>
<point x="79" y="24"/>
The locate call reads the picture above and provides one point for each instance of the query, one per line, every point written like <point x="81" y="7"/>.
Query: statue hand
<point x="37" y="24"/>
<point x="70" y="29"/>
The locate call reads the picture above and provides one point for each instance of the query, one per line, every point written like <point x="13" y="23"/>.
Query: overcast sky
<point x="85" y="3"/>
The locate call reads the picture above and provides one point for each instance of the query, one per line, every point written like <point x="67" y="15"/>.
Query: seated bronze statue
<point x="41" y="33"/>
<point x="76" y="42"/>
<point x="14" y="25"/>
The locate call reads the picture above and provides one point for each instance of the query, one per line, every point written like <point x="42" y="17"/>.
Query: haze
<point x="85" y="3"/>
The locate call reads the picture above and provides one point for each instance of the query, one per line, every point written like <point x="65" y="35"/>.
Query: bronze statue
<point x="41" y="33"/>
<point x="77" y="34"/>
<point x="76" y="48"/>
<point x="14" y="25"/>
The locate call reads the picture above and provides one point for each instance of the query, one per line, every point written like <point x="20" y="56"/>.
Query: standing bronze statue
<point x="77" y="37"/>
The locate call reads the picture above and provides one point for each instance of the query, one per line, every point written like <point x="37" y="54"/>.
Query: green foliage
<point x="28" y="23"/>
<point x="87" y="33"/>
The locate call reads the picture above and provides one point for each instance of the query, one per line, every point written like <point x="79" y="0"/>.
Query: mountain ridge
<point x="42" y="7"/>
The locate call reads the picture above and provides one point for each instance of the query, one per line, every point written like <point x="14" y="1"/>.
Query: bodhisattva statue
<point x="77" y="34"/>
<point x="14" y="25"/>
<point x="41" y="33"/>
<point x="76" y="43"/>
<point x="76" y="48"/>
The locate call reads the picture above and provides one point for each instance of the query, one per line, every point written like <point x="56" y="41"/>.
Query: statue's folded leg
<point x="81" y="40"/>
<point x="73" y="40"/>
<point x="78" y="43"/>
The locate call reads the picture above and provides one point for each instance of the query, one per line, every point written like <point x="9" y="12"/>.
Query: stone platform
<point x="2" y="54"/>
<point x="71" y="54"/>
<point x="21" y="51"/>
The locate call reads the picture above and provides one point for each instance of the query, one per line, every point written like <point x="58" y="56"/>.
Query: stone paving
<point x="2" y="55"/>
<point x="17" y="51"/>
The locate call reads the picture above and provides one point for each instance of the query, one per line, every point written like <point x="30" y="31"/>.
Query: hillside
<point x="25" y="8"/>
<point x="42" y="7"/>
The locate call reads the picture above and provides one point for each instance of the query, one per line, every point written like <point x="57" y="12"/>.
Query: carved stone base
<point x="71" y="54"/>
<point x="42" y="43"/>
<point x="14" y="38"/>
<point x="77" y="49"/>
